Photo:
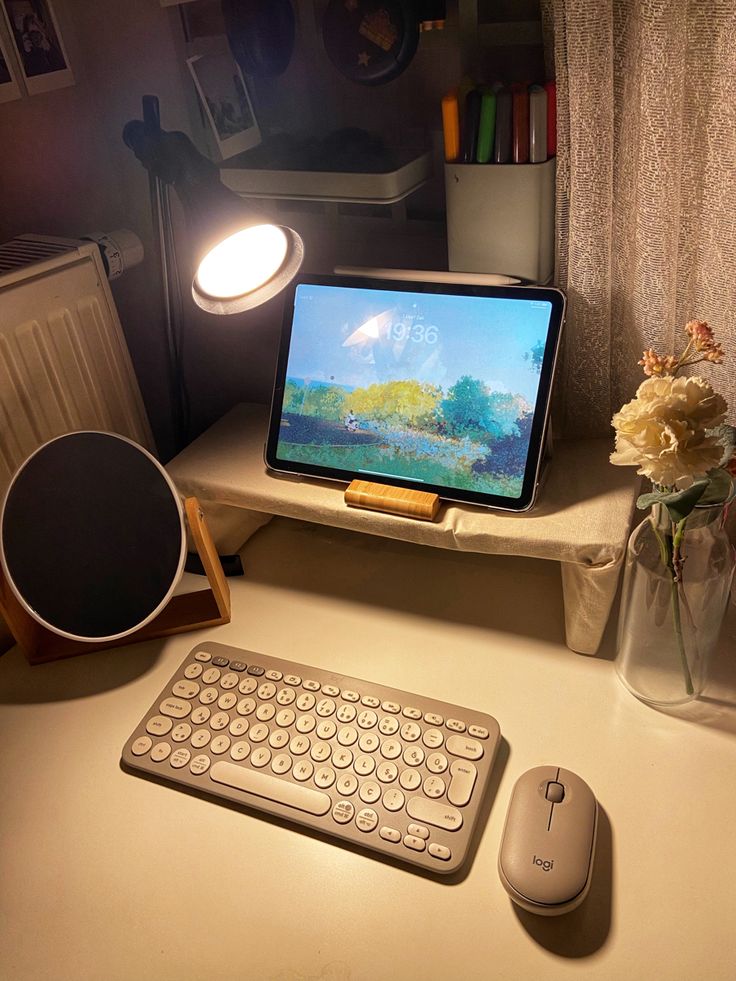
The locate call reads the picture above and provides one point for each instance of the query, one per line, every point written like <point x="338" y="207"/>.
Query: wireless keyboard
<point x="385" y="769"/>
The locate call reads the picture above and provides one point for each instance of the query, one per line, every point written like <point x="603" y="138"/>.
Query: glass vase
<point x="668" y="629"/>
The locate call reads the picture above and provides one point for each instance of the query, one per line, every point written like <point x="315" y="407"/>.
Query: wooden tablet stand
<point x="421" y="505"/>
<point x="188" y="611"/>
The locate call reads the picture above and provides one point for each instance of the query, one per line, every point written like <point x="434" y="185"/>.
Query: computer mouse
<point x="548" y="844"/>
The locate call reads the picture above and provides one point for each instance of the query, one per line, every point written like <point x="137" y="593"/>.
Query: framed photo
<point x="41" y="53"/>
<point x="226" y="103"/>
<point x="9" y="87"/>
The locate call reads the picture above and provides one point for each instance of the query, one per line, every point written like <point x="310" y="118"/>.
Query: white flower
<point x="662" y="431"/>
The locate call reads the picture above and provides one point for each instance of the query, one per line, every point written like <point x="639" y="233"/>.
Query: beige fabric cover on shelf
<point x="582" y="517"/>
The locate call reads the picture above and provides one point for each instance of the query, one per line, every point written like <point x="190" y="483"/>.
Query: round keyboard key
<point x="413" y="756"/>
<point x="229" y="680"/>
<point x="325" y="707"/>
<point x="208" y="696"/>
<point x="192" y="671"/>
<point x="141" y="746"/>
<point x="324" y="777"/>
<point x="246" y="706"/>
<point x="220" y="720"/>
<point x="200" y="738"/>
<point x="347" y="736"/>
<point x="160" y="752"/>
<point x="238" y="727"/>
<point x="285" y="718"/>
<point x="367" y="719"/>
<point x="346" y="713"/>
<point x="211" y="676"/>
<point x="299" y="745"/>
<point x="391" y="749"/>
<point x="347" y="784"/>
<point x="387" y="772"/>
<point x="320" y="752"/>
<point x="278" y="739"/>
<point x="305" y="723"/>
<point x="200" y="715"/>
<point x="181" y="732"/>
<point x="369" y="792"/>
<point x="286" y="696"/>
<point x="200" y="764"/>
<point x="240" y="750"/>
<point x="326" y="729"/>
<point x="247" y="686"/>
<point x="267" y="690"/>
<point x="185" y="689"/>
<point x="281" y="763"/>
<point x="258" y="732"/>
<point x="343" y="812"/>
<point x="342" y="758"/>
<point x="410" y="779"/>
<point x="306" y="701"/>
<point x="437" y="763"/>
<point x="179" y="758"/>
<point x="364" y="765"/>
<point x="220" y="744"/>
<point x="366" y="819"/>
<point x="227" y="701"/>
<point x="369" y="742"/>
<point x="265" y="712"/>
<point x="410" y="732"/>
<point x="159" y="725"/>
<point x="393" y="800"/>
<point x="203" y="656"/>
<point x="388" y="726"/>
<point x="433" y="738"/>
<point x="303" y="771"/>
<point x="434" y="787"/>
<point x="260" y="757"/>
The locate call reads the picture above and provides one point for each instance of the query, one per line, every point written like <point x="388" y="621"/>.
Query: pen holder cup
<point x="501" y="219"/>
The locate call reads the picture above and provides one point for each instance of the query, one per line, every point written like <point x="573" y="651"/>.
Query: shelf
<point x="386" y="187"/>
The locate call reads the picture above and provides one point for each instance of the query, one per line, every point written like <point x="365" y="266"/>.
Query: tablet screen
<point x="435" y="386"/>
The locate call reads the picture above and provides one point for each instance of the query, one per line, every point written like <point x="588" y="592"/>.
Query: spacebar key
<point x="263" y="785"/>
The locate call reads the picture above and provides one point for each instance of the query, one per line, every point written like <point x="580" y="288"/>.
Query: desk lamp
<point x="241" y="258"/>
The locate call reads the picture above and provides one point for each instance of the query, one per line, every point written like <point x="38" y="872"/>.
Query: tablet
<point x="441" y="387"/>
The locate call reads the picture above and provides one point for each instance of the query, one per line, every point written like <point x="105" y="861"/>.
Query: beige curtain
<point x="646" y="190"/>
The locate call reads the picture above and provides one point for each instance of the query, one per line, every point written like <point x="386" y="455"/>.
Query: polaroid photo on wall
<point x="226" y="103"/>
<point x="41" y="52"/>
<point x="9" y="86"/>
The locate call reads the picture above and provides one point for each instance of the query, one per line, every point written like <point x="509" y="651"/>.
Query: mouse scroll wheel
<point x="555" y="792"/>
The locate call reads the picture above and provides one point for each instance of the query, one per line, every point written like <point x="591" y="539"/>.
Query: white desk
<point x="108" y="876"/>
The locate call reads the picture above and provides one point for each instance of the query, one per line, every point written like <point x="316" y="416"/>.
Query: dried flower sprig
<point x="702" y="346"/>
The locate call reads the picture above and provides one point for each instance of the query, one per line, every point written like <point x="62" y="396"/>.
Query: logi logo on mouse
<point x="545" y="864"/>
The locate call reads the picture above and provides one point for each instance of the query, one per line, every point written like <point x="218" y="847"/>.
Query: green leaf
<point x="645" y="501"/>
<point x="720" y="487"/>
<point x="681" y="503"/>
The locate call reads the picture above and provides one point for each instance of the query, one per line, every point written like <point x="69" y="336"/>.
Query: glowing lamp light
<point x="242" y="262"/>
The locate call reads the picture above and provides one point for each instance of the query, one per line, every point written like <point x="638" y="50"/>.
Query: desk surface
<point x="105" y="875"/>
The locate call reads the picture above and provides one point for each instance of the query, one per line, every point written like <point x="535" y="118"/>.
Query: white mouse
<point x="548" y="844"/>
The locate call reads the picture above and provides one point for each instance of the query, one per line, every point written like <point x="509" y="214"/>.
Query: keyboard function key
<point x="179" y="758"/>
<point x="256" y="670"/>
<point x="343" y="812"/>
<point x="480" y="732"/>
<point x="292" y="679"/>
<point x="175" y="708"/>
<point x="412" y="713"/>
<point x="455" y="725"/>
<point x="160" y="752"/>
<point x="393" y="707"/>
<point x="273" y="675"/>
<point x="370" y="701"/>
<point x="432" y="719"/>
<point x="238" y="666"/>
<point x="310" y="685"/>
<point x="351" y="696"/>
<point x="464" y="775"/>
<point x="200" y="764"/>
<point x="366" y="819"/>
<point x="468" y="749"/>
<point x="434" y="812"/>
<point x="141" y="746"/>
<point x="159" y="725"/>
<point x="220" y="662"/>
<point x="204" y="656"/>
<point x="331" y="691"/>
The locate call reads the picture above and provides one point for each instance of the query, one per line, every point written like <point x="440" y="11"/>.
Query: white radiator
<point x="64" y="364"/>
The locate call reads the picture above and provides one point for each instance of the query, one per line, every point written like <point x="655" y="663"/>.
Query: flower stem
<point x="669" y="550"/>
<point x="678" y="634"/>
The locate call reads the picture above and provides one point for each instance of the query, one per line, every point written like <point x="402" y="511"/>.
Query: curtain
<point x="646" y="191"/>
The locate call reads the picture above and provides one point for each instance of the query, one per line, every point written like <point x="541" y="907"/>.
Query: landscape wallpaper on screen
<point x="432" y="388"/>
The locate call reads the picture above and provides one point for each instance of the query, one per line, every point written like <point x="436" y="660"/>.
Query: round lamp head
<point x="247" y="268"/>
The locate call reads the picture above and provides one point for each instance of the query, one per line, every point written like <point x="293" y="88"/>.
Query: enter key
<point x="464" y="775"/>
